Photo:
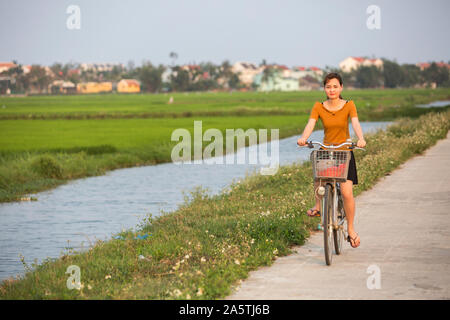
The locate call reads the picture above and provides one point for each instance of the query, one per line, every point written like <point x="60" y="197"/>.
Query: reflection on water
<point x="85" y="210"/>
<point x="442" y="103"/>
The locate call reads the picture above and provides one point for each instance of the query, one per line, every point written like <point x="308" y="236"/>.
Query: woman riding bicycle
<point x="334" y="113"/>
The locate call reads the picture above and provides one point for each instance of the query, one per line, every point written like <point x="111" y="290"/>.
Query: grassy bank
<point x="211" y="242"/>
<point x="49" y="140"/>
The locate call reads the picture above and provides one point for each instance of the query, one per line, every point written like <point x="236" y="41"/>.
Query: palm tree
<point x="268" y="73"/>
<point x="173" y="56"/>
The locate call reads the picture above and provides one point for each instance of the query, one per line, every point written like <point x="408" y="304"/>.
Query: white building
<point x="352" y="63"/>
<point x="26" y="69"/>
<point x="100" y="67"/>
<point x="246" y="71"/>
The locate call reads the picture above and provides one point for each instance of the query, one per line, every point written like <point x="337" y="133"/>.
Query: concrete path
<point x="404" y="226"/>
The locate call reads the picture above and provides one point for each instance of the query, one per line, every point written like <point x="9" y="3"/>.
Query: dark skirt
<point x="352" y="173"/>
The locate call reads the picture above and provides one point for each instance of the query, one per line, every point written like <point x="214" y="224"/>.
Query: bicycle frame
<point x="335" y="187"/>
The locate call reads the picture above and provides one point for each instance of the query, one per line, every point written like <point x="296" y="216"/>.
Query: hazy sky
<point x="290" y="32"/>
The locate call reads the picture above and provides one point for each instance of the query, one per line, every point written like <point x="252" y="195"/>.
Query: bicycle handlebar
<point x="352" y="145"/>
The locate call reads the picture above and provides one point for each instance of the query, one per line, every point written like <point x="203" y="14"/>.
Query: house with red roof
<point x="311" y="71"/>
<point x="426" y="65"/>
<point x="128" y="86"/>
<point x="352" y="63"/>
<point x="443" y="64"/>
<point x="5" y="66"/>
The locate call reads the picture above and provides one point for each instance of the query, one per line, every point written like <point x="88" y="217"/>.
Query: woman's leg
<point x="316" y="185"/>
<point x="349" y="206"/>
<point x="317" y="205"/>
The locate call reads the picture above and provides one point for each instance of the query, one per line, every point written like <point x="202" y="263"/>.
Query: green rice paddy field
<point x="189" y="104"/>
<point x="47" y="140"/>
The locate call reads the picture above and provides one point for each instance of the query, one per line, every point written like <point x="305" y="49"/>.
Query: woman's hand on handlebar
<point x="361" y="143"/>
<point x="302" y="142"/>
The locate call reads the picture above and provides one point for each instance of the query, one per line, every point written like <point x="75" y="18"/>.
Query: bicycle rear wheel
<point x="327" y="223"/>
<point x="338" y="234"/>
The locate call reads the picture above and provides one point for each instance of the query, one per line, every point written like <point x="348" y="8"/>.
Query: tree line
<point x="209" y="76"/>
<point x="394" y="75"/>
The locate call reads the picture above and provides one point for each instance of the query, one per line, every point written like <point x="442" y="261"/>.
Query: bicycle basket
<point x="330" y="164"/>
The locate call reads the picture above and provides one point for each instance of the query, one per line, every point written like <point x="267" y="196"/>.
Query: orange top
<point x="335" y="123"/>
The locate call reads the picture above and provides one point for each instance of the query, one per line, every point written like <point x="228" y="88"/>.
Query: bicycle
<point x="331" y="168"/>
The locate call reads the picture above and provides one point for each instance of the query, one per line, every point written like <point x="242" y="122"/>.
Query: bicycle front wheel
<point x="327" y="223"/>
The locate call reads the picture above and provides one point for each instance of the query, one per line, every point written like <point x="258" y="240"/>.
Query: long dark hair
<point x="332" y="75"/>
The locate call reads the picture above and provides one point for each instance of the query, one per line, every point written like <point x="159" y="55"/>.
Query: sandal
<point x="314" y="213"/>
<point x="353" y="241"/>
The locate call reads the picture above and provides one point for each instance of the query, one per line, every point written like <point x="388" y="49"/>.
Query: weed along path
<point x="404" y="224"/>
